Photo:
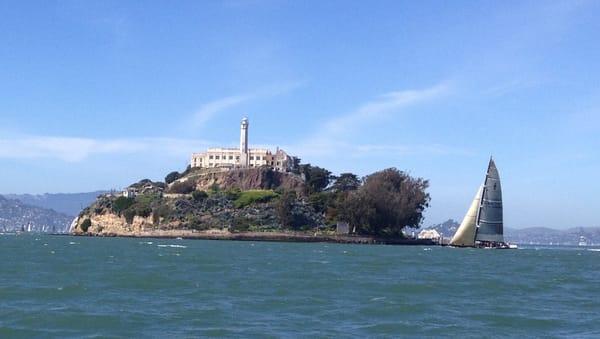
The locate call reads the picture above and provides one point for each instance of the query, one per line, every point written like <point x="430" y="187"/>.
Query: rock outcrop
<point x="263" y="178"/>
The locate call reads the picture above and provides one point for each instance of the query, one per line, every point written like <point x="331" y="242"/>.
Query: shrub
<point x="233" y="194"/>
<point x="195" y="223"/>
<point x="247" y="198"/>
<point x="121" y="204"/>
<point x="85" y="225"/>
<point x="162" y="211"/>
<point x="214" y="188"/>
<point x="129" y="215"/>
<point x="143" y="211"/>
<point x="183" y="187"/>
<point x="240" y="224"/>
<point x="199" y="195"/>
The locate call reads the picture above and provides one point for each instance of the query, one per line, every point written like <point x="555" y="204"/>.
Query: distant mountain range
<point x="67" y="203"/>
<point x="533" y="235"/>
<point x="17" y="216"/>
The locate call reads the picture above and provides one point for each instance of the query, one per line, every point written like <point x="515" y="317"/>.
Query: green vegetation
<point x="86" y="224"/>
<point x="381" y="204"/>
<point x="346" y="182"/>
<point x="247" y="198"/>
<point x="316" y="178"/>
<point x="129" y="215"/>
<point x="241" y="224"/>
<point x="199" y="195"/>
<point x="386" y="203"/>
<point x="121" y="204"/>
<point x="183" y="187"/>
<point x="171" y="177"/>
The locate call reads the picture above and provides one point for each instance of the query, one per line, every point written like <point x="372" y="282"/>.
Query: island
<point x="249" y="194"/>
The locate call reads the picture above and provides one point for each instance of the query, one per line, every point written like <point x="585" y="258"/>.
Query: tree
<point x="85" y="225"/>
<point x="346" y="182"/>
<point x="284" y="208"/>
<point x="388" y="201"/>
<point x="171" y="177"/>
<point x="121" y="204"/>
<point x="316" y="178"/>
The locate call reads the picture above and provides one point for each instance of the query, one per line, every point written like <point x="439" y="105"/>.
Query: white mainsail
<point x="465" y="234"/>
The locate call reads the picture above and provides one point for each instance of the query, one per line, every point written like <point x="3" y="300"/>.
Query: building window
<point x="231" y="157"/>
<point x="237" y="158"/>
<point x="210" y="157"/>
<point x="252" y="158"/>
<point x="217" y="157"/>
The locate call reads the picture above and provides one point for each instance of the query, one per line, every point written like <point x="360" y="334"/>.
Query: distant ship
<point x="582" y="241"/>
<point x="483" y="225"/>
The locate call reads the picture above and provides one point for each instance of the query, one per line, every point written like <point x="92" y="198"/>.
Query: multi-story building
<point x="243" y="157"/>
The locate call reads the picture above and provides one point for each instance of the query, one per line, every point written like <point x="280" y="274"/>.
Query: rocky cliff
<point x="235" y="201"/>
<point x="262" y="178"/>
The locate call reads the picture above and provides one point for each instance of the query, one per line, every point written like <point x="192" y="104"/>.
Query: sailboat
<point x="483" y="225"/>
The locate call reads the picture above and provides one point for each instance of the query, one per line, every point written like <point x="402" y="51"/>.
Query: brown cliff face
<point x="249" y="179"/>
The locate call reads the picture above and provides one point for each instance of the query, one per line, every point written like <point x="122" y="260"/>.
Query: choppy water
<point x="68" y="286"/>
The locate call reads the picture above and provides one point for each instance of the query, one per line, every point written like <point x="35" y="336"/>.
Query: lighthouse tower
<point x="244" y="158"/>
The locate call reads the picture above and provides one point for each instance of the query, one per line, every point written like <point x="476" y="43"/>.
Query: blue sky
<point x="97" y="95"/>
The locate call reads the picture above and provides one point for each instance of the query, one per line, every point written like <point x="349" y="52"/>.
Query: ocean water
<point x="61" y="286"/>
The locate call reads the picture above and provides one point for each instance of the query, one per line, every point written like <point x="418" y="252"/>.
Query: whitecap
<point x="594" y="249"/>
<point x="172" y="246"/>
<point x="72" y="243"/>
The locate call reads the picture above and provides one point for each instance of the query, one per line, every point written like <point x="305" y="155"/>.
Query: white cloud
<point x="78" y="149"/>
<point x="332" y="138"/>
<point x="209" y="110"/>
<point x="386" y="104"/>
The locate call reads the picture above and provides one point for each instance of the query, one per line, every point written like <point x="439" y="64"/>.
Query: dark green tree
<point x="316" y="178"/>
<point x="121" y="204"/>
<point x="171" y="177"/>
<point x="86" y="224"/>
<point x="386" y="203"/>
<point x="346" y="182"/>
<point x="284" y="208"/>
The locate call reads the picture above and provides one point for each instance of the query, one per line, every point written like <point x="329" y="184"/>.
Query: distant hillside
<point x="67" y="203"/>
<point x="546" y="236"/>
<point x="533" y="235"/>
<point x="17" y="216"/>
<point x="446" y="229"/>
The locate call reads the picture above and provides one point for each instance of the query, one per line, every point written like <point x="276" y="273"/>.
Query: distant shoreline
<point x="263" y="236"/>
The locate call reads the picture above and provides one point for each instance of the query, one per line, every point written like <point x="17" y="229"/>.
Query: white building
<point x="430" y="235"/>
<point x="243" y="157"/>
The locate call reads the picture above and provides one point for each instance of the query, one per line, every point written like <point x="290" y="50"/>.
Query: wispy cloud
<point x="78" y="149"/>
<point x="333" y="137"/>
<point x="211" y="109"/>
<point x="386" y="104"/>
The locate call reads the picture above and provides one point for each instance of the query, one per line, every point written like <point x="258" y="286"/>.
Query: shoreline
<point x="264" y="236"/>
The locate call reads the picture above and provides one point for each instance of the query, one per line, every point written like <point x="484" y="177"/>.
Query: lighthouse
<point x="244" y="159"/>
